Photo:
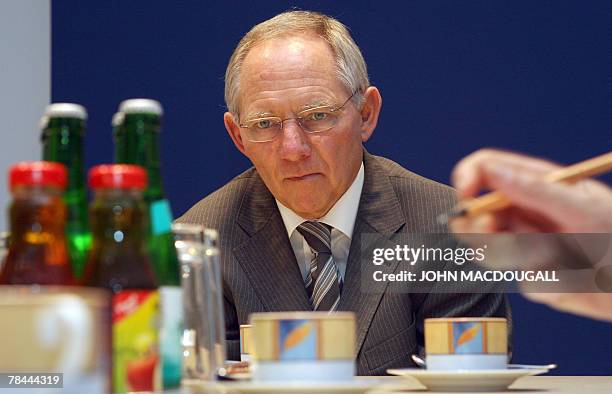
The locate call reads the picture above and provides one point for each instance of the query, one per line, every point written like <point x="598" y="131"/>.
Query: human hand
<point x="537" y="205"/>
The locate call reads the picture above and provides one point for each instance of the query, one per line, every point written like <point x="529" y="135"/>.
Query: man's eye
<point x="318" y="116"/>
<point x="263" y="124"/>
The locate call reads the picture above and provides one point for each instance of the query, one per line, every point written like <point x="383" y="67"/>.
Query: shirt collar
<point x="341" y="216"/>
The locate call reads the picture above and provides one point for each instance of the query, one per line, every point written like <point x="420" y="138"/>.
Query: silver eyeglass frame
<point x="299" y="119"/>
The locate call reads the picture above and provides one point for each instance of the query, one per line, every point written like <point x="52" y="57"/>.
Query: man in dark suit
<point x="300" y="107"/>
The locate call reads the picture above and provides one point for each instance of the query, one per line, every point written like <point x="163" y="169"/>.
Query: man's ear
<point x="233" y="129"/>
<point x="372" y="103"/>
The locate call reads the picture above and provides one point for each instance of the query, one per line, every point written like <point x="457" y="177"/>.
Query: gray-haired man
<point x="300" y="107"/>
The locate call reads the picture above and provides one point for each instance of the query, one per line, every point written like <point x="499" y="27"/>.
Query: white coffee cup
<point x="57" y="330"/>
<point x="310" y="346"/>
<point x="466" y="343"/>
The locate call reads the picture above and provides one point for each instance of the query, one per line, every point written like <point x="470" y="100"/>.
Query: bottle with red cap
<point x="38" y="252"/>
<point x="119" y="261"/>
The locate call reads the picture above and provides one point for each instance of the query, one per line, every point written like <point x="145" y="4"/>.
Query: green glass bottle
<point x="136" y="133"/>
<point x="63" y="130"/>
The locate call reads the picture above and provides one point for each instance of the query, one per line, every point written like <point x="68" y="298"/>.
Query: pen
<point x="496" y="200"/>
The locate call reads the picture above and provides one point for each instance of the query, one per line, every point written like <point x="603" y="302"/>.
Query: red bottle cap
<point x="118" y="176"/>
<point x="38" y="173"/>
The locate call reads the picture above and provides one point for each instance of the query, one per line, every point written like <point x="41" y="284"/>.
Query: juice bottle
<point x="37" y="253"/>
<point x="119" y="261"/>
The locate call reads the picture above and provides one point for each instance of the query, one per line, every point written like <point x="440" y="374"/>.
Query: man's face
<point x="306" y="172"/>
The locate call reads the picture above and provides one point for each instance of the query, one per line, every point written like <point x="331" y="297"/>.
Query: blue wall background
<point x="455" y="76"/>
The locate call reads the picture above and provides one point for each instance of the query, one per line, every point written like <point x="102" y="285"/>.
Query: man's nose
<point x="295" y="145"/>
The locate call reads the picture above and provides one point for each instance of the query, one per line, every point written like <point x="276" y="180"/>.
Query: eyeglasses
<point x="313" y="120"/>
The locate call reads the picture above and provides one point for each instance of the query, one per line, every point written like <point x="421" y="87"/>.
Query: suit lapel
<point x="379" y="216"/>
<point x="267" y="257"/>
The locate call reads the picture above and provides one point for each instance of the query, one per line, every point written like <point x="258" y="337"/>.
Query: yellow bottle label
<point x="136" y="365"/>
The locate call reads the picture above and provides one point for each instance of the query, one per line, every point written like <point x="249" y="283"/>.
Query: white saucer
<point x="357" y="386"/>
<point x="467" y="380"/>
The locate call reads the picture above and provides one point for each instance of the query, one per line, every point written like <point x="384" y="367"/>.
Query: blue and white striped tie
<point x="322" y="280"/>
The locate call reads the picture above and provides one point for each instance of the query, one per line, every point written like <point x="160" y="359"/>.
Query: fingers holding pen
<point x="492" y="168"/>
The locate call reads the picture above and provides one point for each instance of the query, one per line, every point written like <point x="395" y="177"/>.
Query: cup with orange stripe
<point x="466" y="343"/>
<point x="246" y="343"/>
<point x="303" y="346"/>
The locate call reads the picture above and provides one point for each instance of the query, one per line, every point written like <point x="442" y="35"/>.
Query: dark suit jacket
<point x="261" y="274"/>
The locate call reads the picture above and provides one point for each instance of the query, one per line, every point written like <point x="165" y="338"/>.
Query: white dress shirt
<point x="341" y="217"/>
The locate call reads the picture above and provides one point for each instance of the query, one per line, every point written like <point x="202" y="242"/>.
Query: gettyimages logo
<point x="478" y="263"/>
<point x="405" y="253"/>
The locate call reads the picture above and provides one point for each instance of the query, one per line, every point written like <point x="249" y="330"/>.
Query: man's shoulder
<point x="405" y="181"/>
<point x="420" y="200"/>
<point x="221" y="206"/>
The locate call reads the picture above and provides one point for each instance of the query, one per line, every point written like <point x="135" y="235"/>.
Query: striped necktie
<point x="322" y="280"/>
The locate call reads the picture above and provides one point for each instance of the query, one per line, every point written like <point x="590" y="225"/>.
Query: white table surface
<point x="525" y="385"/>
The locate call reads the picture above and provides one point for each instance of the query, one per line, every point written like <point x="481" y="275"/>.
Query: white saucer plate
<point x="357" y="386"/>
<point x="467" y="380"/>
